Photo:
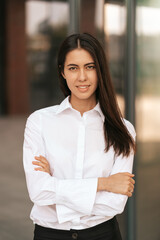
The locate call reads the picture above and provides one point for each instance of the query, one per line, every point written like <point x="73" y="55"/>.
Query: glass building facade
<point x="130" y="33"/>
<point x="148" y="118"/>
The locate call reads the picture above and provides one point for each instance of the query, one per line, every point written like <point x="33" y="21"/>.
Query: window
<point x="46" y="27"/>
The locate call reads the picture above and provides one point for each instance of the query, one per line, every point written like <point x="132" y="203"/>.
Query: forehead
<point x="78" y="56"/>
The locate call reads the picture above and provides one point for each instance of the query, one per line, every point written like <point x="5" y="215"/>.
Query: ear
<point x="63" y="75"/>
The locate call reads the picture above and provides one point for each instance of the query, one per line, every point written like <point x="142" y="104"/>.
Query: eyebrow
<point x="72" y="64"/>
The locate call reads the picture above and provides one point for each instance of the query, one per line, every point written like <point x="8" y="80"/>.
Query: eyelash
<point x="91" y="67"/>
<point x="72" y="68"/>
<point x="88" y="67"/>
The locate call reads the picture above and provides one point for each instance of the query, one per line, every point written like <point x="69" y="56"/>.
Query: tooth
<point x="83" y="87"/>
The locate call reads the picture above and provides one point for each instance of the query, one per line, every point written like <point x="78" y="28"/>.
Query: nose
<point x="82" y="75"/>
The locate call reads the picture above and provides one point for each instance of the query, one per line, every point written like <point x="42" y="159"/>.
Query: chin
<point x="85" y="97"/>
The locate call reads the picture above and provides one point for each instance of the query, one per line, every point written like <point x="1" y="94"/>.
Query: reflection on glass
<point x="148" y="83"/>
<point x="148" y="119"/>
<point x="46" y="27"/>
<point x="114" y="28"/>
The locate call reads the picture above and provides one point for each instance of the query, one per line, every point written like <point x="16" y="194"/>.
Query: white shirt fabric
<point x="74" y="146"/>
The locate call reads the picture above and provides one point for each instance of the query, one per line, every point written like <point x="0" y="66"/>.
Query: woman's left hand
<point x="42" y="163"/>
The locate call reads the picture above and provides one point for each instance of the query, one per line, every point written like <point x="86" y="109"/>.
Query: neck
<point x="83" y="105"/>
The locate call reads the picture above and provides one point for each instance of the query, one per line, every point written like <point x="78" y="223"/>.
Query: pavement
<point x="15" y="205"/>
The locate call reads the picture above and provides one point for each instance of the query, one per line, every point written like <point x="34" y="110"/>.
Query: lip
<point x="83" y="88"/>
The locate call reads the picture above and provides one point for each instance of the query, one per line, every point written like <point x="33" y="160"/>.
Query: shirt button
<point x="75" y="235"/>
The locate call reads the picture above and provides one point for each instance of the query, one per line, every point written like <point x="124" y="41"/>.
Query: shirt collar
<point x="65" y="104"/>
<point x="98" y="109"/>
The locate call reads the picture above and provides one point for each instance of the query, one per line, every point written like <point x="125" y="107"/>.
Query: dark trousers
<point x="108" y="230"/>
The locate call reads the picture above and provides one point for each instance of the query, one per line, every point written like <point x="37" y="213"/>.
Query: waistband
<point x="96" y="227"/>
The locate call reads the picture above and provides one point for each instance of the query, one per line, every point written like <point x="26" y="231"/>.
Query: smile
<point x="83" y="87"/>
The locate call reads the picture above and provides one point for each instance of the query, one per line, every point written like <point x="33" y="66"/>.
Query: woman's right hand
<point x="42" y="164"/>
<point x="122" y="183"/>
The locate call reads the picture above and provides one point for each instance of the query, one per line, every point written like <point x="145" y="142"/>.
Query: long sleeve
<point x="74" y="147"/>
<point x="108" y="203"/>
<point x="75" y="194"/>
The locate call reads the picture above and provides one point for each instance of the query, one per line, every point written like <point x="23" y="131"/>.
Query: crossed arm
<point x="122" y="183"/>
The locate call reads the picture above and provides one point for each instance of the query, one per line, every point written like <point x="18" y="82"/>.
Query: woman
<point x="78" y="155"/>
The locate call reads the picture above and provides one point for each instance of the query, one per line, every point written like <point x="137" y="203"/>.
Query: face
<point x="81" y="75"/>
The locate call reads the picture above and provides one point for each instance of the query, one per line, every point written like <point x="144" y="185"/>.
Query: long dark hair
<point x="115" y="131"/>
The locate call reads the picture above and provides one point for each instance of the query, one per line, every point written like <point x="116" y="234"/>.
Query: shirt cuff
<point x="75" y="198"/>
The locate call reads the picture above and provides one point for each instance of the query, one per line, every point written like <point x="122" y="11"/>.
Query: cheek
<point x="71" y="78"/>
<point x="94" y="79"/>
<point x="70" y="82"/>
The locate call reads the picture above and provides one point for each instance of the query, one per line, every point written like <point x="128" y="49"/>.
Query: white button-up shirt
<point x="74" y="146"/>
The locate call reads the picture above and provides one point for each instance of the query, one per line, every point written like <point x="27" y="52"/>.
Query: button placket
<point x="80" y="151"/>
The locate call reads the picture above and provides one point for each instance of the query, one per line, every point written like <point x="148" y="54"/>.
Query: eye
<point x="72" y="68"/>
<point x="90" y="67"/>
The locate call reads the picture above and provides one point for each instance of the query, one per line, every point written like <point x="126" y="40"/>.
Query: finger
<point x="130" y="187"/>
<point x="131" y="190"/>
<point x="41" y="170"/>
<point x="39" y="164"/>
<point x="38" y="169"/>
<point x="35" y="162"/>
<point x="42" y="159"/>
<point x="132" y="180"/>
<point x="39" y="158"/>
<point x="129" y="194"/>
<point x="129" y="174"/>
